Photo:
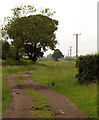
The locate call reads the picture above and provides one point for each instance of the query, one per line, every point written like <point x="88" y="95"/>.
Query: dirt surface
<point x="21" y="103"/>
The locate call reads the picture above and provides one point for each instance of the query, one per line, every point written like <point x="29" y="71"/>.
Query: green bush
<point x="97" y="65"/>
<point x="88" y="69"/>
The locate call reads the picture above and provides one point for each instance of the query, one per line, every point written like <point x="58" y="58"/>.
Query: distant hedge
<point x="88" y="69"/>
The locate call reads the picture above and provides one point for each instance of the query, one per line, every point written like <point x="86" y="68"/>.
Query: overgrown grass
<point x="62" y="74"/>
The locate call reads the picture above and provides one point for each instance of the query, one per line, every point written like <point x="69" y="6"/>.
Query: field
<point x="59" y="76"/>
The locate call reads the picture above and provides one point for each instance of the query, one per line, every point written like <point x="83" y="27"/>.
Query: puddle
<point x="14" y="89"/>
<point x="16" y="93"/>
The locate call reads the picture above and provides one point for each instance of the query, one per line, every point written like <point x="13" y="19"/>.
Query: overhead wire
<point x="77" y="21"/>
<point x="85" y="23"/>
<point x="81" y="14"/>
<point x="89" y="21"/>
<point x="85" y="29"/>
<point x="86" y="26"/>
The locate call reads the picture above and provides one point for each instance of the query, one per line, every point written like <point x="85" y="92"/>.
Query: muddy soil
<point x="21" y="102"/>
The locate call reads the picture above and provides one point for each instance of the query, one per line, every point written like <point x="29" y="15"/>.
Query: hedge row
<point x="88" y="69"/>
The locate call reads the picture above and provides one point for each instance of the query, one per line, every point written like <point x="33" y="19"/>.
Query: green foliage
<point x="88" y="69"/>
<point x="8" y="51"/>
<point x="5" y="49"/>
<point x="12" y="53"/>
<point x="97" y="65"/>
<point x="32" y="34"/>
<point x="57" y="54"/>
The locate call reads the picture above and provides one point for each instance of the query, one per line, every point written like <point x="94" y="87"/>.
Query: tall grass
<point x="62" y="74"/>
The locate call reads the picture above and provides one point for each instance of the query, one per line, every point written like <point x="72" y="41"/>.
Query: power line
<point x="85" y="23"/>
<point x="82" y="13"/>
<point x="91" y="20"/>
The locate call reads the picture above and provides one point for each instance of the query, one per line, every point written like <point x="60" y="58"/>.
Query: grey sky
<point x="74" y="16"/>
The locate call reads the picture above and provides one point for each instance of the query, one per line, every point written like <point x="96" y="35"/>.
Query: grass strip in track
<point x="40" y="107"/>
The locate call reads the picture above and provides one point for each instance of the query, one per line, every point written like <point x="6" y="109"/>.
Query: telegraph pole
<point x="70" y="52"/>
<point x="77" y="44"/>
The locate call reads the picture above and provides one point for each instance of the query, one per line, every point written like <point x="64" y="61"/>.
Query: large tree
<point x="32" y="34"/>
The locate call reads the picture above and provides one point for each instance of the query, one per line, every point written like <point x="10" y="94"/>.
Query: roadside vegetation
<point x="59" y="76"/>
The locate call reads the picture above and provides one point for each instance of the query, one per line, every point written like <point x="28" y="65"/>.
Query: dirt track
<point x="21" y="103"/>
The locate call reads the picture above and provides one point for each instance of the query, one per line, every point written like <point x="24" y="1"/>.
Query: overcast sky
<point x="74" y="16"/>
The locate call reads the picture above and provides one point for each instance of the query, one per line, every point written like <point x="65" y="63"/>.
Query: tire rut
<point x="21" y="102"/>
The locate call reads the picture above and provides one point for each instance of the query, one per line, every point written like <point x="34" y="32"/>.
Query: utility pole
<point x="98" y="27"/>
<point x="70" y="52"/>
<point x="77" y="44"/>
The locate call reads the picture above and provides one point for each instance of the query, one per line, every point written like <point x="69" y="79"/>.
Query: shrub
<point x="88" y="69"/>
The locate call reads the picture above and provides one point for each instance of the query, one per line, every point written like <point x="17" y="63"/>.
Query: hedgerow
<point x="88" y="69"/>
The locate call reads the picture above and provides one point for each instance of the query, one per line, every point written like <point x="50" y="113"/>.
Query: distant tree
<point x="57" y="54"/>
<point x="31" y="34"/>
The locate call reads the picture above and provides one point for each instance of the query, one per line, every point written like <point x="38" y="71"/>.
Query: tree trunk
<point x="33" y="58"/>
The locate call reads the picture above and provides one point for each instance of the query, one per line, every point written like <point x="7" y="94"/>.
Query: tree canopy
<point x="57" y="54"/>
<point x="32" y="35"/>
